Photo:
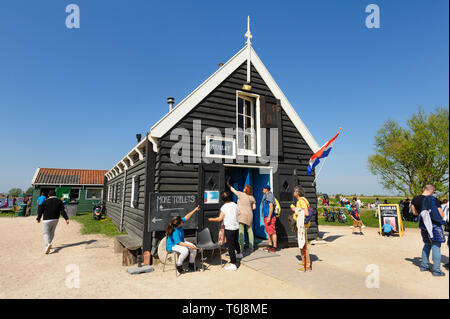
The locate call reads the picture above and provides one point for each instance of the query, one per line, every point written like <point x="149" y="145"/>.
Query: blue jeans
<point x="435" y="248"/>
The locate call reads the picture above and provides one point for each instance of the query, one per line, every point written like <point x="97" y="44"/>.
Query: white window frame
<point x="133" y="179"/>
<point x="257" y="147"/>
<point x="227" y="139"/>
<point x="101" y="193"/>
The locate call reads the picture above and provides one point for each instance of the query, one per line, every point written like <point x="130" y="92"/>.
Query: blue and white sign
<point x="211" y="197"/>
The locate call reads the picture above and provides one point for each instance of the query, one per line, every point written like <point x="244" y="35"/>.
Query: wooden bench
<point x="129" y="246"/>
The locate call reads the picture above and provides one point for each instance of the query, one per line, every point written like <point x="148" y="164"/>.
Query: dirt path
<point x="339" y="269"/>
<point x="26" y="272"/>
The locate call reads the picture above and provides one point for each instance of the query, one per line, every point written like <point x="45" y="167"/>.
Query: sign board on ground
<point x="390" y="214"/>
<point x="165" y="206"/>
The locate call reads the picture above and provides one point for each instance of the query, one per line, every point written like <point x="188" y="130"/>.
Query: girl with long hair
<point x="175" y="241"/>
<point x="246" y="204"/>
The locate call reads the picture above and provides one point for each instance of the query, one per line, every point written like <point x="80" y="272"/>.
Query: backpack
<point x="277" y="208"/>
<point x="311" y="213"/>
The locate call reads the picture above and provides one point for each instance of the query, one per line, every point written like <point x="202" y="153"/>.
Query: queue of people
<point x="237" y="219"/>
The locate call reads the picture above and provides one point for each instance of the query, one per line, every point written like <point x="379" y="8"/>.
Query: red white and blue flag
<point x="323" y="152"/>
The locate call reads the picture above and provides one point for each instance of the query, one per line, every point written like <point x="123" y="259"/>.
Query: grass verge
<point x="368" y="218"/>
<point x="91" y="226"/>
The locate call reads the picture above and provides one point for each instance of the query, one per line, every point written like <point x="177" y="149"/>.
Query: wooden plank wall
<point x="133" y="218"/>
<point x="219" y="110"/>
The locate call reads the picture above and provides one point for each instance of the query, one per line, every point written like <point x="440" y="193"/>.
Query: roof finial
<point x="248" y="35"/>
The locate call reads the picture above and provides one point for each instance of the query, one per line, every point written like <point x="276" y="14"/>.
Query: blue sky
<point x="75" y="98"/>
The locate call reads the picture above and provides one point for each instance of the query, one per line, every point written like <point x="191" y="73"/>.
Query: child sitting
<point x="175" y="241"/>
<point x="387" y="229"/>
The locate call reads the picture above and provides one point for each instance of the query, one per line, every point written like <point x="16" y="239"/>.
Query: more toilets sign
<point x="220" y="147"/>
<point x="165" y="206"/>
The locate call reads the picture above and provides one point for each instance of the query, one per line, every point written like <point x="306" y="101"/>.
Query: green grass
<point x="8" y="214"/>
<point x="91" y="226"/>
<point x="367" y="216"/>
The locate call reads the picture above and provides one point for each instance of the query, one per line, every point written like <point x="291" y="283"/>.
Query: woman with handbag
<point x="302" y="216"/>
<point x="246" y="204"/>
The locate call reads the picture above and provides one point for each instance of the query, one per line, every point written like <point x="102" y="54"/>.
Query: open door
<point x="211" y="185"/>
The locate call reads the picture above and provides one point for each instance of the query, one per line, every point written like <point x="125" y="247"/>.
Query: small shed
<point x="221" y="131"/>
<point x="82" y="185"/>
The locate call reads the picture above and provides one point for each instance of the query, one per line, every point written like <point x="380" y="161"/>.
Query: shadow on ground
<point x="87" y="242"/>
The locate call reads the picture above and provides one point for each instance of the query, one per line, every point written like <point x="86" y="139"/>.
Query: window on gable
<point x="246" y="125"/>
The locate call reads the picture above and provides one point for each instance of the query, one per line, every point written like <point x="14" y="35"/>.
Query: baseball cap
<point x="266" y="187"/>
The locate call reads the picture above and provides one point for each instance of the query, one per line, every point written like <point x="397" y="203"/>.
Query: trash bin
<point x="72" y="208"/>
<point x="21" y="210"/>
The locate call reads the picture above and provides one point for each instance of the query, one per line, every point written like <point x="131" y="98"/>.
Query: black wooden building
<point x="241" y="97"/>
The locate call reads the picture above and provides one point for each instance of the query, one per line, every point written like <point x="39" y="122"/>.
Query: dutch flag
<point x="323" y="152"/>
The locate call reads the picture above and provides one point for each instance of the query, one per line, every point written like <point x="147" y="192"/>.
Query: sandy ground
<point x="339" y="269"/>
<point x="26" y="272"/>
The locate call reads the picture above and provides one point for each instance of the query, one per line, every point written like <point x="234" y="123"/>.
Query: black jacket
<point x="51" y="209"/>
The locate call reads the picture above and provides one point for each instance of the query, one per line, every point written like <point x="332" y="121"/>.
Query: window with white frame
<point x="133" y="190"/>
<point x="247" y="125"/>
<point x="93" y="193"/>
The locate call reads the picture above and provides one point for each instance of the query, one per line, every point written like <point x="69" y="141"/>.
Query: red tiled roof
<point x="62" y="176"/>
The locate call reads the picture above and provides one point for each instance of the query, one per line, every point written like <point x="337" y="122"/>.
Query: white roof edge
<point x="35" y="176"/>
<point x="196" y="96"/>
<point x="290" y="111"/>
<point x="138" y="145"/>
<point x="188" y="103"/>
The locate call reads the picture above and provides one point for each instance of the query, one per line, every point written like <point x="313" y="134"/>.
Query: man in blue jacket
<point x="430" y="228"/>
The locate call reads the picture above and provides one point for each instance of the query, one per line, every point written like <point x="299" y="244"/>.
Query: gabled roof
<point x="192" y="100"/>
<point x="61" y="176"/>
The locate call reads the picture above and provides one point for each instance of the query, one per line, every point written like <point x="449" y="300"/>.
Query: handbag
<point x="222" y="239"/>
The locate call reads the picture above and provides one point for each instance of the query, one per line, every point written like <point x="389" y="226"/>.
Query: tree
<point x="406" y="159"/>
<point x="14" y="192"/>
<point x="29" y="190"/>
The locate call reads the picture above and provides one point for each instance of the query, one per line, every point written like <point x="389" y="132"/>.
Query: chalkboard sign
<point x="390" y="214"/>
<point x="165" y="206"/>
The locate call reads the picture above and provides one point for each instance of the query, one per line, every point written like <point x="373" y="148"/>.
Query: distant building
<point x="82" y="185"/>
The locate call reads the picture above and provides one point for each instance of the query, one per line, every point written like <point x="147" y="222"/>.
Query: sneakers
<point x="272" y="249"/>
<point x="180" y="269"/>
<point x="240" y="255"/>
<point x="231" y="267"/>
<point x="267" y="248"/>
<point x="47" y="249"/>
<point x="438" y="273"/>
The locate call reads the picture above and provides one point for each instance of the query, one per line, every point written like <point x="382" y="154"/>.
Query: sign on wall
<point x="390" y="214"/>
<point x="165" y="206"/>
<point x="220" y="147"/>
<point x="211" y="197"/>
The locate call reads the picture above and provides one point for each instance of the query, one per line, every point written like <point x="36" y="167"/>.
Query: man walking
<point x="430" y="223"/>
<point x="269" y="218"/>
<point x="51" y="209"/>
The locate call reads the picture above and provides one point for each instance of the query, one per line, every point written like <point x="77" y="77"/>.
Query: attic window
<point x="247" y="115"/>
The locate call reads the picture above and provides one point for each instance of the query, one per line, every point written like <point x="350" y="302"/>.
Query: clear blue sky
<point x="75" y="98"/>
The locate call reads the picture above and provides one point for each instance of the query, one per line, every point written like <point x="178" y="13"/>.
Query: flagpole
<point x="323" y="164"/>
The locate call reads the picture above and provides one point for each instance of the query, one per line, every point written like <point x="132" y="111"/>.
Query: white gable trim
<point x="287" y="107"/>
<point x="192" y="100"/>
<point x="35" y="176"/>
